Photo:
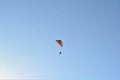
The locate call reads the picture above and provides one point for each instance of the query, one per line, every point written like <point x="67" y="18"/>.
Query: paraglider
<point x="60" y="43"/>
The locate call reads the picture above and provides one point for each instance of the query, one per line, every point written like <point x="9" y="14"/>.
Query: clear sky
<point x="89" y="29"/>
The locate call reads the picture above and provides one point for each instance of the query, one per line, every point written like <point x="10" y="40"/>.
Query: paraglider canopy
<point x="60" y="43"/>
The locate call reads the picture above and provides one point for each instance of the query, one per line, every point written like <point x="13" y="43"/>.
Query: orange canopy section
<point x="60" y="43"/>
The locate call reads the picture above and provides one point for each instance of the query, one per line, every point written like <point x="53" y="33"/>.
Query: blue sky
<point x="89" y="29"/>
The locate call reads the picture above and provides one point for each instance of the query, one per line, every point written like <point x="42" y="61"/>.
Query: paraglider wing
<point x="60" y="43"/>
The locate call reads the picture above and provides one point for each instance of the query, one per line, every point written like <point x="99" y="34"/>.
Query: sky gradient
<point x="89" y="29"/>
